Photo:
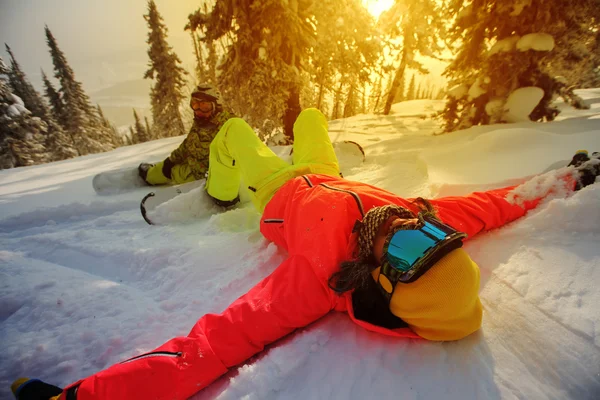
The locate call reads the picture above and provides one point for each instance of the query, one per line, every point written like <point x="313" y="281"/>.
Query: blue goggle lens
<point x="407" y="247"/>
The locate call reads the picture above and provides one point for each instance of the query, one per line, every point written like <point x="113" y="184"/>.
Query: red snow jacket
<point x="312" y="217"/>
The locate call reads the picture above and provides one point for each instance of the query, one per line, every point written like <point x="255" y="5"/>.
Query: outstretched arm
<point x="482" y="211"/>
<point x="291" y="297"/>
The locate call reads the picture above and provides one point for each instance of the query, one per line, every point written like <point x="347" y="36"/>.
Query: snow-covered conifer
<point x="167" y="93"/>
<point x="80" y="119"/>
<point x="57" y="144"/>
<point x="148" y="129"/>
<point x="57" y="107"/>
<point x="21" y="134"/>
<point x="140" y="130"/>
<point x="133" y="136"/>
<point x="24" y="89"/>
<point x="503" y="46"/>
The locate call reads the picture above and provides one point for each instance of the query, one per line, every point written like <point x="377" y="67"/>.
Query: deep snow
<point x="85" y="282"/>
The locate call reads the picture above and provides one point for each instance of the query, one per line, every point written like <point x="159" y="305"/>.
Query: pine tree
<point x="410" y="94"/>
<point x="148" y="129"/>
<point x="419" y="24"/>
<point x="22" y="135"/>
<point x="57" y="107"/>
<point x="58" y="144"/>
<point x="63" y="145"/>
<point x="419" y="92"/>
<point x="80" y="118"/>
<point x="140" y="130"/>
<point x="106" y="124"/>
<point x="167" y="93"/>
<point x="351" y="105"/>
<point x="507" y="45"/>
<point x="134" y="139"/>
<point x="376" y="95"/>
<point x="576" y="56"/>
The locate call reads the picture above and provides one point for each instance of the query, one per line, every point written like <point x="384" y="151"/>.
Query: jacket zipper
<point x="273" y="221"/>
<point x="155" y="354"/>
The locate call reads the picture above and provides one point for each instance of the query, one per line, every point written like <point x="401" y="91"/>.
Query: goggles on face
<point x="408" y="254"/>
<point x="202" y="106"/>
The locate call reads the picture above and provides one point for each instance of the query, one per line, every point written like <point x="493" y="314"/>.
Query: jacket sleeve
<point x="481" y="211"/>
<point x="291" y="297"/>
<point x="181" y="153"/>
<point x="202" y="152"/>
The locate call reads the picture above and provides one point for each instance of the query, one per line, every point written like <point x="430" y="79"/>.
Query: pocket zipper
<point x="155" y="354"/>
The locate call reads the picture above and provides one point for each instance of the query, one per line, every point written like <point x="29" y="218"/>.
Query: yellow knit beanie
<point x="443" y="304"/>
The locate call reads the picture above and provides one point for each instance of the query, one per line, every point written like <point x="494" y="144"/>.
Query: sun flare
<point x="376" y="7"/>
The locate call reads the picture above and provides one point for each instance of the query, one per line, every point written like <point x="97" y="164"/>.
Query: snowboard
<point x="162" y="194"/>
<point x="117" y="181"/>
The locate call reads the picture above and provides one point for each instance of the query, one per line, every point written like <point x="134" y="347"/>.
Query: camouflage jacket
<point x="195" y="148"/>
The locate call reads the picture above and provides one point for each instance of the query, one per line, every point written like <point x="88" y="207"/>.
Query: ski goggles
<point x="408" y="254"/>
<point x="202" y="106"/>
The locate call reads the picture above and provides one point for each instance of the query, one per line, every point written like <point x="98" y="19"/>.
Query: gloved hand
<point x="167" y="166"/>
<point x="143" y="170"/>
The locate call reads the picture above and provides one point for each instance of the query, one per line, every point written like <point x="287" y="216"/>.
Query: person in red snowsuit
<point x="314" y="218"/>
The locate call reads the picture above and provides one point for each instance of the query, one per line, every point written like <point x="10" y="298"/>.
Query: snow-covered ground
<point x="85" y="282"/>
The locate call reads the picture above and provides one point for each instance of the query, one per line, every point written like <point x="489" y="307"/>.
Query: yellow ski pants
<point x="180" y="173"/>
<point x="237" y="153"/>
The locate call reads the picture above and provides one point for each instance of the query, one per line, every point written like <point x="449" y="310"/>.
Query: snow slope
<point x="85" y="282"/>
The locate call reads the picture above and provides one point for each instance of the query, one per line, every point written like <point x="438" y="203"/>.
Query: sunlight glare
<point x="376" y="7"/>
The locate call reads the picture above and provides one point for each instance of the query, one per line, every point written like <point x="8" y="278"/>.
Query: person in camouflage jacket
<point x="189" y="161"/>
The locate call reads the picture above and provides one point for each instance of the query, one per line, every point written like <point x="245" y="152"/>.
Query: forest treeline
<point x="271" y="58"/>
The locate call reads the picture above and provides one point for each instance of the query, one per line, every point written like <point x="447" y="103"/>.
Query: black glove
<point x="143" y="170"/>
<point x="167" y="167"/>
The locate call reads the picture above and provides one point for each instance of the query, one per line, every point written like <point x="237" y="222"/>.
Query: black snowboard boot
<point x="587" y="167"/>
<point x="579" y="158"/>
<point x="224" y="203"/>
<point x="34" y="389"/>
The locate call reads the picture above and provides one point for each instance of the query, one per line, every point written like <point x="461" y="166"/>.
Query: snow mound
<point x="521" y="103"/>
<point x="187" y="207"/>
<point x="497" y="149"/>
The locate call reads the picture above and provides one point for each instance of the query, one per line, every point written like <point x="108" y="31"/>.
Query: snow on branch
<point x="536" y="41"/>
<point x="505" y="45"/>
